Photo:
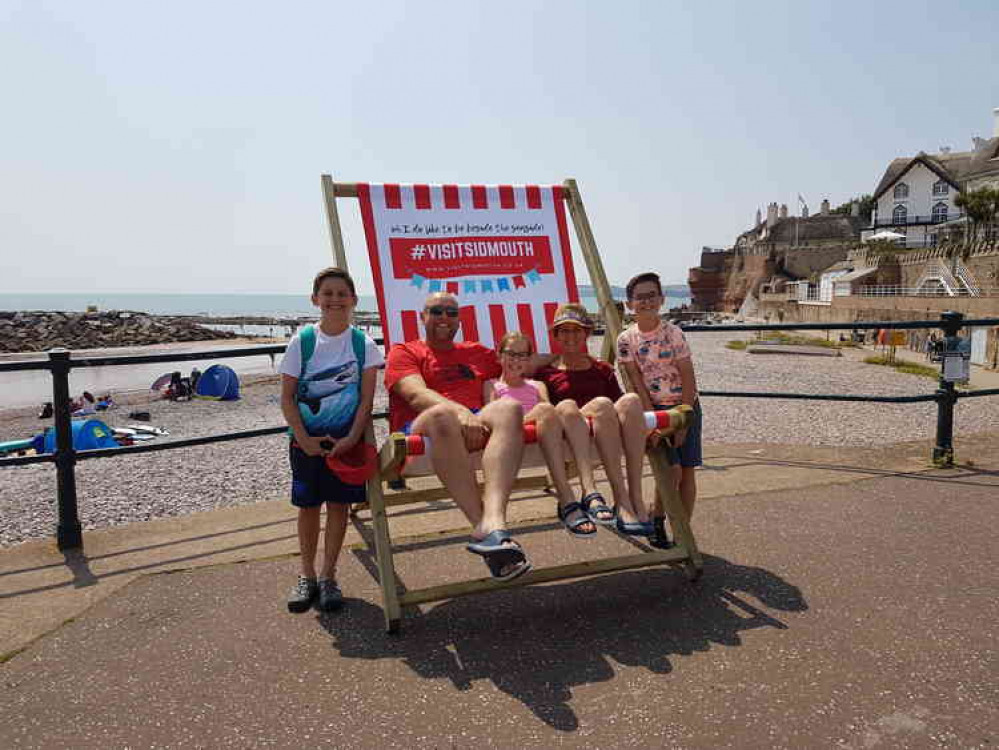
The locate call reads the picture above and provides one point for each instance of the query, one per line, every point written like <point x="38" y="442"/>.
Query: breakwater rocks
<point x="39" y="331"/>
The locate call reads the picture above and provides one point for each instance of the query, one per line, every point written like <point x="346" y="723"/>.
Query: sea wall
<point x="39" y="331"/>
<point x="849" y="309"/>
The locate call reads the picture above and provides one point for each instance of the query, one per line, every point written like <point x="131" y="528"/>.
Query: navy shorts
<point x="313" y="484"/>
<point x="688" y="454"/>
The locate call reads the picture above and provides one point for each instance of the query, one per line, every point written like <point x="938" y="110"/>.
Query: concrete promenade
<point x="849" y="600"/>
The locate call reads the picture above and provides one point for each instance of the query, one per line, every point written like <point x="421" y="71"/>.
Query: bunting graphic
<point x="503" y="251"/>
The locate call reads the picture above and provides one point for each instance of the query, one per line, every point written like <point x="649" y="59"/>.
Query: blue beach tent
<point x="218" y="383"/>
<point x="87" y="435"/>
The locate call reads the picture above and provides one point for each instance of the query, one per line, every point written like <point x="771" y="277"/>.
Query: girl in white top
<point x="515" y="353"/>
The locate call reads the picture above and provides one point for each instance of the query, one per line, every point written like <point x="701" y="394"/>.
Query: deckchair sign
<point x="503" y="250"/>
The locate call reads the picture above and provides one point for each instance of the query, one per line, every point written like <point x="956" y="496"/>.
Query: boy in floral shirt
<point x="657" y="360"/>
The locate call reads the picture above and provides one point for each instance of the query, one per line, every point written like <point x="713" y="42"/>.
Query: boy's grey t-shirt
<point x="332" y="379"/>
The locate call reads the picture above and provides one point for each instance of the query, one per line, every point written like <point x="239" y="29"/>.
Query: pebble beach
<point x="115" y="491"/>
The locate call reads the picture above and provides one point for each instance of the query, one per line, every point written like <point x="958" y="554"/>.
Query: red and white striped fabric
<point x="502" y="250"/>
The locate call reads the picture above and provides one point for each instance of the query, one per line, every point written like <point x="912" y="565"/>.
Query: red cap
<point x="357" y="465"/>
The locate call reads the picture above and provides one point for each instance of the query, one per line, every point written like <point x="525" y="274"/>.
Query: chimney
<point x="824" y="207"/>
<point x="855" y="208"/>
<point x="771" y="215"/>
<point x="995" y="117"/>
<point x="759" y="217"/>
<point x="783" y="211"/>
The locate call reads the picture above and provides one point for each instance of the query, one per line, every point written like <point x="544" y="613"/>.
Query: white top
<point x="334" y="353"/>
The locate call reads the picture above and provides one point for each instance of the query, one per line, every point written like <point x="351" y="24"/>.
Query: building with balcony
<point x="915" y="197"/>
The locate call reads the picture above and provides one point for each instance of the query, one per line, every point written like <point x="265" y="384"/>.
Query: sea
<point x="211" y="305"/>
<point x="26" y="388"/>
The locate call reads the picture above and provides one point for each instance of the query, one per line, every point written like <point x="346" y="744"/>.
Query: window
<point x="940" y="187"/>
<point x="901" y="191"/>
<point x="939" y="211"/>
<point x="899" y="215"/>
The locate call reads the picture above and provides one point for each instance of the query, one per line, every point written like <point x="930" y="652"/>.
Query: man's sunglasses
<point x="438" y="310"/>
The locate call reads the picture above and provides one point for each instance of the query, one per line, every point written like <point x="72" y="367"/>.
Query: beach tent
<point x="218" y="383"/>
<point x="161" y="382"/>
<point x="88" y="434"/>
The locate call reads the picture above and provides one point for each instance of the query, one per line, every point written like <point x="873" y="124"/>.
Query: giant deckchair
<point x="482" y="238"/>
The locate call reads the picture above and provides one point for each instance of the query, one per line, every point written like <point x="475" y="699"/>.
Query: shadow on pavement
<point x="537" y="644"/>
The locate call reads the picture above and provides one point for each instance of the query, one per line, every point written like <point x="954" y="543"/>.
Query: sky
<point x="177" y="147"/>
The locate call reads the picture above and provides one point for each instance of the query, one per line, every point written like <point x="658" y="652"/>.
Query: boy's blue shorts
<point x="313" y="484"/>
<point x="688" y="454"/>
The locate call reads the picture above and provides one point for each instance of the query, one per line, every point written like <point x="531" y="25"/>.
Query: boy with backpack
<point x="328" y="379"/>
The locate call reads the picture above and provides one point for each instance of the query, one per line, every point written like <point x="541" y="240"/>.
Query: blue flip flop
<point x="499" y="556"/>
<point x="494" y="541"/>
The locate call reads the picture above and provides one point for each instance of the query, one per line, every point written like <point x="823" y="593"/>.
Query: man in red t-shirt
<point x="435" y="390"/>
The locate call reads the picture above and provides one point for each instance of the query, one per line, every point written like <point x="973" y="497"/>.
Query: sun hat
<point x="571" y="314"/>
<point x="357" y="465"/>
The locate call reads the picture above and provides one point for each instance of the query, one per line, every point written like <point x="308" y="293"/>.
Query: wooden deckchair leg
<point x="383" y="556"/>
<point x="668" y="499"/>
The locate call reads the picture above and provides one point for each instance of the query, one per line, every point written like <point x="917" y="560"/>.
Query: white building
<point x="916" y="193"/>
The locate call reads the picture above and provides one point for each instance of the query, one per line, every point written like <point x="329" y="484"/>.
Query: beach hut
<point x="218" y="383"/>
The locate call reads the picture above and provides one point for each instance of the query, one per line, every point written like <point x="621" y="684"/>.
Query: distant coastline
<point x="277" y="306"/>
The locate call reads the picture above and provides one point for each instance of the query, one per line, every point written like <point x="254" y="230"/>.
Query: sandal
<point x="660" y="539"/>
<point x="595" y="505"/>
<point x="634" y="528"/>
<point x="573" y="526"/>
<point x="503" y="555"/>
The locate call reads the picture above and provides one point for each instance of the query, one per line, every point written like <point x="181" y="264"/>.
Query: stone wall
<point x="803" y="262"/>
<point x="848" y="309"/>
<point x="39" y="331"/>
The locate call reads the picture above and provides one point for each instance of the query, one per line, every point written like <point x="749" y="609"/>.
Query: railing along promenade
<point x="69" y="534"/>
<point x="890" y="290"/>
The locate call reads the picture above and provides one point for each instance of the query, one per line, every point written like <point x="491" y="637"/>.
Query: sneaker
<point x="659" y="539"/>
<point x="330" y="596"/>
<point x="303" y="594"/>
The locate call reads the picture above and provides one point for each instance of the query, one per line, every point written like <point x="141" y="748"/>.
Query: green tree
<point x="866" y="202"/>
<point x="981" y="207"/>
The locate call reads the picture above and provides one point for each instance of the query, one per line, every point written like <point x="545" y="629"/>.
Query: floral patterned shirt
<point x="656" y="353"/>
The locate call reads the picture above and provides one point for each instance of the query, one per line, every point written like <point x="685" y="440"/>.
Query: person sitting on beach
<point x="657" y="360"/>
<point x="583" y="388"/>
<point x="436" y="389"/>
<point x="515" y="352"/>
<point x="326" y="399"/>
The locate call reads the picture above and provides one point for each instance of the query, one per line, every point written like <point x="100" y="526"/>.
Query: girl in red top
<point x="580" y="387"/>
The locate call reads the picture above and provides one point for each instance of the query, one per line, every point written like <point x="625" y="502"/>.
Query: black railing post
<point x="943" y="451"/>
<point x="69" y="533"/>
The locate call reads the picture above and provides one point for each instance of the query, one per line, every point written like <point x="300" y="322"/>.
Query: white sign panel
<point x="503" y="251"/>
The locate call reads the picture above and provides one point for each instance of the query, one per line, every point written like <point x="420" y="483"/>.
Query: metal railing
<point x="890" y="221"/>
<point x="891" y="290"/>
<point x="69" y="534"/>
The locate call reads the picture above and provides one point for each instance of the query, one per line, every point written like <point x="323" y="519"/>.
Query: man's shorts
<point x="313" y="484"/>
<point x="688" y="454"/>
<point x="407" y="428"/>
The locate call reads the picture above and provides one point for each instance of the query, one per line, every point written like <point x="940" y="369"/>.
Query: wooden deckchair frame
<point x="392" y="457"/>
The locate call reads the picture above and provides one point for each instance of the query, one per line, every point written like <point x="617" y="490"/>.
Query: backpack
<point x="334" y="412"/>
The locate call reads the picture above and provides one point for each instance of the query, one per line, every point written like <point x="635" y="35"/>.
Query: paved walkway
<point x="848" y="601"/>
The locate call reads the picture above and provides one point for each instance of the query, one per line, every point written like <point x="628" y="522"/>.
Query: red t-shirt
<point x="582" y="386"/>
<point x="457" y="373"/>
